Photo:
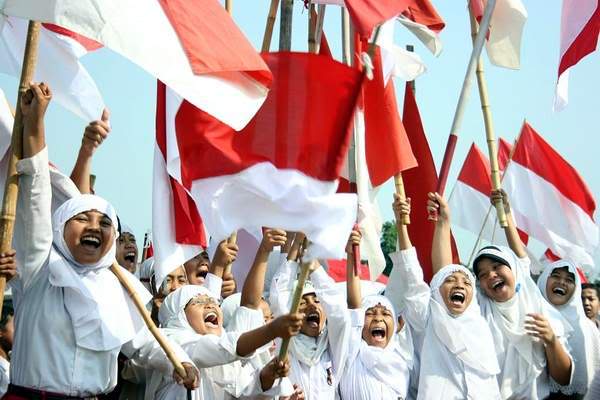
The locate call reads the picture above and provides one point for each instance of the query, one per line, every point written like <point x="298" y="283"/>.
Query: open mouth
<point x="559" y="291"/>
<point x="130" y="256"/>
<point x="457" y="298"/>
<point x="91" y="241"/>
<point x="498" y="284"/>
<point x="211" y="320"/>
<point x="313" y="319"/>
<point x="378" y="333"/>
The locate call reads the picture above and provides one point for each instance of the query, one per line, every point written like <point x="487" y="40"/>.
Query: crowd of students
<point x="482" y="331"/>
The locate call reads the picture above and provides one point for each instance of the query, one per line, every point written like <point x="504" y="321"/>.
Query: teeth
<point x="91" y="239"/>
<point x="130" y="254"/>
<point x="560" y="291"/>
<point x="378" y="332"/>
<point x="497" y="284"/>
<point x="457" y="296"/>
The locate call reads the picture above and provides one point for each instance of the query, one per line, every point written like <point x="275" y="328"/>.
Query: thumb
<point x="105" y="115"/>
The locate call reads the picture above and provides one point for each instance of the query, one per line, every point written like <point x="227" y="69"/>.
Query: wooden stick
<point x="229" y="6"/>
<point x="231" y="240"/>
<point x="285" y="25"/>
<point x="312" y="29"/>
<point x="162" y="341"/>
<point x="462" y="99"/>
<point x="304" y="270"/>
<point x="319" y="27"/>
<point x="266" y="44"/>
<point x="11" y="190"/>
<point x="490" y="135"/>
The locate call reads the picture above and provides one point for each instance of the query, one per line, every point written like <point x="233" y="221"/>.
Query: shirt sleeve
<point x="213" y="283"/>
<point x="145" y="350"/>
<point x="407" y="290"/>
<point x="33" y="225"/>
<point x="211" y="350"/>
<point x="282" y="287"/>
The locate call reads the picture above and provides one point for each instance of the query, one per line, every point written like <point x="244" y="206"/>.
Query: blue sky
<point x="124" y="163"/>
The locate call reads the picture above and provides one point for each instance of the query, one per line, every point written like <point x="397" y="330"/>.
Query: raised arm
<point x="93" y="136"/>
<point x="226" y="254"/>
<point x="33" y="225"/>
<point x="255" y="280"/>
<point x="282" y="327"/>
<point x="402" y="208"/>
<point x="441" y="249"/>
<point x="352" y="279"/>
<point x="512" y="235"/>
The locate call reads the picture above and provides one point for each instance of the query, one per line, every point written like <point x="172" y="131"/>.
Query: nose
<point x="175" y="284"/>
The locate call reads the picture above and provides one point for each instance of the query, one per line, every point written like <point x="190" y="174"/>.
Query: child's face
<point x="379" y="326"/>
<point x="560" y="286"/>
<point x="496" y="280"/>
<point x="127" y="251"/>
<point x="197" y="269"/>
<point x="457" y="292"/>
<point x="204" y="315"/>
<point x="89" y="236"/>
<point x="591" y="303"/>
<point x="6" y="334"/>
<point x="266" y="311"/>
<point x="314" y="316"/>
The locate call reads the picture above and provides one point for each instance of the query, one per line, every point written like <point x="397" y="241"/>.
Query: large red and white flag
<point x="506" y="31"/>
<point x="550" y="200"/>
<point x="195" y="48"/>
<point x="282" y="169"/>
<point x="579" y="29"/>
<point x="58" y="63"/>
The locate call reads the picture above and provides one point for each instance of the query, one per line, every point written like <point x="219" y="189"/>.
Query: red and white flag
<point x="195" y="48"/>
<point x="282" y="169"/>
<point x="550" y="200"/>
<point x="58" y="63"/>
<point x="579" y="29"/>
<point x="506" y="30"/>
<point x="423" y="20"/>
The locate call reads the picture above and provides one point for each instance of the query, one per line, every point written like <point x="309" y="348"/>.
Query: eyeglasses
<point x="202" y="300"/>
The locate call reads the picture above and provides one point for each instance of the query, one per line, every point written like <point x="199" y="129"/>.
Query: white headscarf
<point x="146" y="272"/>
<point x="585" y="337"/>
<point x="467" y="335"/>
<point x="525" y="358"/>
<point x="94" y="298"/>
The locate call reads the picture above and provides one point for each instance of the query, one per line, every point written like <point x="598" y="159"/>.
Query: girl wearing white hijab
<point x="72" y="315"/>
<point x="317" y="355"/>
<point x="192" y="317"/>
<point x="560" y="285"/>
<point x="529" y="336"/>
<point x="378" y="366"/>
<point x="457" y="360"/>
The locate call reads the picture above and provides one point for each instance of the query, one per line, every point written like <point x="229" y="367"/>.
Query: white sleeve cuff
<point x="213" y="283"/>
<point x="33" y="165"/>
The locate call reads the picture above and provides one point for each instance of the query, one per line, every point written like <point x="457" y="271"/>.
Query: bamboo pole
<point x="462" y="99"/>
<point x="304" y="270"/>
<point x="162" y="341"/>
<point x="229" y="6"/>
<point x="230" y="240"/>
<point x="11" y="190"/>
<point x="266" y="44"/>
<point x="490" y="135"/>
<point x="312" y="29"/>
<point x="319" y="27"/>
<point x="285" y="25"/>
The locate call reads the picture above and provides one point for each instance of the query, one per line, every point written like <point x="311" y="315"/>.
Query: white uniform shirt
<point x="45" y="355"/>
<point x="320" y="381"/>
<point x="4" y="378"/>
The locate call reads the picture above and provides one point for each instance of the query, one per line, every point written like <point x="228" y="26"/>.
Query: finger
<point x="37" y="91"/>
<point x="102" y="124"/>
<point x="105" y="115"/>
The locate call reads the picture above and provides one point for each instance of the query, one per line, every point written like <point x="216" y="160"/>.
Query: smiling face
<point x="457" y="292"/>
<point x="379" y="326"/>
<point x="560" y="286"/>
<point x="127" y="251"/>
<point x="204" y="315"/>
<point x="89" y="236"/>
<point x="197" y="268"/>
<point x="314" y="316"/>
<point x="496" y="280"/>
<point x="591" y="303"/>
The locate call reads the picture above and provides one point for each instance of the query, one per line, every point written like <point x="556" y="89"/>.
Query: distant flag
<point x="196" y="50"/>
<point x="506" y="30"/>
<point x="579" y="29"/>
<point x="550" y="200"/>
<point x="423" y="20"/>
<point x="58" y="63"/>
<point x="281" y="170"/>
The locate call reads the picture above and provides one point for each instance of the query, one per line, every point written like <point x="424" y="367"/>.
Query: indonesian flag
<point x="58" y="63"/>
<point x="281" y="170"/>
<point x="550" y="200"/>
<point x="506" y="30"/>
<point x="195" y="48"/>
<point x="418" y="182"/>
<point x="579" y="29"/>
<point x="423" y="20"/>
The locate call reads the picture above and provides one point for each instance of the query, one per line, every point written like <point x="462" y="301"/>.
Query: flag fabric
<point x="58" y="63"/>
<point x="418" y="182"/>
<point x="549" y="257"/>
<point x="368" y="14"/>
<point x="281" y="170"/>
<point x="504" y="153"/>
<point x="423" y="20"/>
<point x="579" y="29"/>
<point x="198" y="51"/>
<point x="506" y="31"/>
<point x="396" y="62"/>
<point x="552" y="202"/>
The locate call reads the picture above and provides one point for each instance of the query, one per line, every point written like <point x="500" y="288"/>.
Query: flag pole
<point x="229" y="6"/>
<point x="231" y="240"/>
<point x="266" y="44"/>
<point x="285" y="25"/>
<point x="490" y="135"/>
<point x="116" y="269"/>
<point x="11" y="190"/>
<point x="312" y="28"/>
<point x="319" y="27"/>
<point x="462" y="99"/>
